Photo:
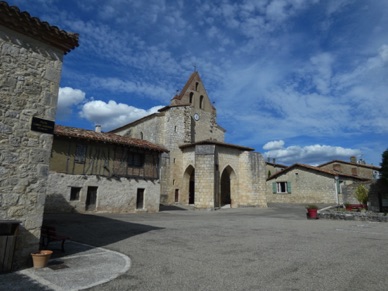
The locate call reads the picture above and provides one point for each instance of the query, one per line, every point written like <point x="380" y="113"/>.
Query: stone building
<point x="200" y="168"/>
<point x="354" y="168"/>
<point x="31" y="56"/>
<point x="104" y="172"/>
<point x="307" y="184"/>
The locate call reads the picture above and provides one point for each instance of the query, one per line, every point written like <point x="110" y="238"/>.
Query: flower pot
<point x="312" y="213"/>
<point x="41" y="258"/>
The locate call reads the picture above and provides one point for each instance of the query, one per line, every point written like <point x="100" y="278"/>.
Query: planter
<point x="41" y="258"/>
<point x="312" y="213"/>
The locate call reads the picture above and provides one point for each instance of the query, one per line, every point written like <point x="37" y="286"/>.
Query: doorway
<point x="226" y="186"/>
<point x="140" y="198"/>
<point x="91" y="199"/>
<point x="189" y="182"/>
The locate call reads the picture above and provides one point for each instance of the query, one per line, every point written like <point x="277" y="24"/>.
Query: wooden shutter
<point x="288" y="187"/>
<point x="274" y="187"/>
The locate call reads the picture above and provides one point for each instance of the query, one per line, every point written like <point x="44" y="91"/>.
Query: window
<point x="141" y="135"/>
<point x="191" y="97"/>
<point x="135" y="159"/>
<point x="281" y="187"/>
<point x="80" y="153"/>
<point x="74" y="193"/>
<point x="201" y="102"/>
<point x="354" y="172"/>
<point x="196" y="86"/>
<point x="337" y="167"/>
<point x="176" y="195"/>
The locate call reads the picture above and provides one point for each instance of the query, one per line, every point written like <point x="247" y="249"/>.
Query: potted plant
<point x="361" y="195"/>
<point x="348" y="206"/>
<point x="312" y="211"/>
<point x="40" y="258"/>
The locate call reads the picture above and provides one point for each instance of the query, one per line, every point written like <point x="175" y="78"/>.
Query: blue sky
<point x="298" y="80"/>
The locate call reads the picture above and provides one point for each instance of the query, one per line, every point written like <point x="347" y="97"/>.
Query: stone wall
<point x="113" y="195"/>
<point x="29" y="80"/>
<point x="306" y="187"/>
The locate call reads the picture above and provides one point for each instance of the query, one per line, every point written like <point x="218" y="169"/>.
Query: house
<point x="354" y="168"/>
<point x="104" y="172"/>
<point x="273" y="168"/>
<point x="307" y="184"/>
<point x="200" y="169"/>
<point x="31" y="57"/>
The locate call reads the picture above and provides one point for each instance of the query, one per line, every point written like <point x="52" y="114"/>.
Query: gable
<point x="194" y="94"/>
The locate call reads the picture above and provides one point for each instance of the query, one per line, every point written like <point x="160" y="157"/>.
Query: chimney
<point x="353" y="159"/>
<point x="97" y="128"/>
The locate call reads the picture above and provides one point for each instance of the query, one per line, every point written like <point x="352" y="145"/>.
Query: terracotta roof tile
<point x="112" y="138"/>
<point x="23" y="22"/>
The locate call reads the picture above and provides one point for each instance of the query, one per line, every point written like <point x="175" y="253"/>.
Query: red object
<point x="312" y="213"/>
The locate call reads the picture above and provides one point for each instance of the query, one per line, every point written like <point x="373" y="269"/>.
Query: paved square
<point x="237" y="249"/>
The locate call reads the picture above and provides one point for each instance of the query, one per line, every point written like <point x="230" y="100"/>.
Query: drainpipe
<point x="336" y="189"/>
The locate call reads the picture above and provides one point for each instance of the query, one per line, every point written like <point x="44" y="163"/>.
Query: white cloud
<point x="311" y="154"/>
<point x="68" y="97"/>
<point x="111" y="115"/>
<point x="273" y="145"/>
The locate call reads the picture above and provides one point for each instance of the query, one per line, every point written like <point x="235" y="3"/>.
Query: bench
<point x="49" y="234"/>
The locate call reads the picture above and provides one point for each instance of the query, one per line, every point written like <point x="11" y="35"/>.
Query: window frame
<point x="277" y="187"/>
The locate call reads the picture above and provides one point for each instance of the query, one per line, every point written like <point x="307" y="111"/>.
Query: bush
<point x="361" y="194"/>
<point x="311" y="206"/>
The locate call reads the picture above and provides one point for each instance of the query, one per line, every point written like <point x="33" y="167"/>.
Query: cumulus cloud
<point x="111" y="114"/>
<point x="273" y="145"/>
<point x="310" y="154"/>
<point x="67" y="98"/>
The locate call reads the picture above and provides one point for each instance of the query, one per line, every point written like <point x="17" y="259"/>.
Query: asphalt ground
<point x="229" y="249"/>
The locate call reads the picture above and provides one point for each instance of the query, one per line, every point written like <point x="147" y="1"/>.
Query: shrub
<point x="361" y="194"/>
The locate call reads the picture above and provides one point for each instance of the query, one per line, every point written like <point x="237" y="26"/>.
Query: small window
<point x="141" y="135"/>
<point x="135" y="159"/>
<point x="354" y="172"/>
<point x="80" y="153"/>
<point x="201" y="102"/>
<point x="196" y="86"/>
<point x="191" y="97"/>
<point x="281" y="187"/>
<point x="337" y="167"/>
<point x="74" y="193"/>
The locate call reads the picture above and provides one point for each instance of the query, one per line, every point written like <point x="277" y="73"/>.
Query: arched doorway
<point x="226" y="186"/>
<point x="189" y="178"/>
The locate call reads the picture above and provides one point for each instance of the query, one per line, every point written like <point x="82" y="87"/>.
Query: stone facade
<point x="113" y="195"/>
<point x="200" y="168"/>
<point x="101" y="172"/>
<point x="353" y="168"/>
<point x="30" y="69"/>
<point x="308" y="185"/>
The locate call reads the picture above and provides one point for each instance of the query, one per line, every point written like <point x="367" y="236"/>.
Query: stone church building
<point x="200" y="169"/>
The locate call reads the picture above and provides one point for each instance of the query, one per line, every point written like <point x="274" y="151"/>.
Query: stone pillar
<point x="205" y="180"/>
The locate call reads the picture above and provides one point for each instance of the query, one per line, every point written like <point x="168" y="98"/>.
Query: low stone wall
<point x="350" y="215"/>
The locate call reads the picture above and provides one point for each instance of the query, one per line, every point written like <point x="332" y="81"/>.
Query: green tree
<point x="361" y="194"/>
<point x="384" y="167"/>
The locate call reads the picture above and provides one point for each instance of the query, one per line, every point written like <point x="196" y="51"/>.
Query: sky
<point x="300" y="81"/>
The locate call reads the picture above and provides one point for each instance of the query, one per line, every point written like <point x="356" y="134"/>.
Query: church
<point x="200" y="169"/>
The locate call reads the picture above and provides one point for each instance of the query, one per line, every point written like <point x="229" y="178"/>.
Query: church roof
<point x="215" y="142"/>
<point x="24" y="23"/>
<point x="72" y="132"/>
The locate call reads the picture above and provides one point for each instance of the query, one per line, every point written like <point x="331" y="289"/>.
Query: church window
<point x="201" y="102"/>
<point x="191" y="97"/>
<point x="196" y="86"/>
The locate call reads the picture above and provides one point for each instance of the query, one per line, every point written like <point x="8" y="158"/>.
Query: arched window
<point x="191" y="97"/>
<point x="196" y="86"/>
<point x="201" y="102"/>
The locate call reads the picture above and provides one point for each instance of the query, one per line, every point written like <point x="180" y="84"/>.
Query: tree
<point x="384" y="167"/>
<point x="361" y="194"/>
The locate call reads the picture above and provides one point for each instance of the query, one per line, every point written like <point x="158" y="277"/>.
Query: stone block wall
<point x="306" y="187"/>
<point x="29" y="80"/>
<point x="113" y="195"/>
